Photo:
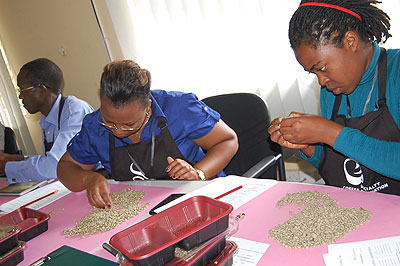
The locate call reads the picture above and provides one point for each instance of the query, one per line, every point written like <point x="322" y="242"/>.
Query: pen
<point x="45" y="196"/>
<point x="228" y="192"/>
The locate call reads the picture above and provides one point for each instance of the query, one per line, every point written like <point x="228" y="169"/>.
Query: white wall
<point x="214" y="47"/>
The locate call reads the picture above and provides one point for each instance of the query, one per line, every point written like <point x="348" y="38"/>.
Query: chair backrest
<point x="10" y="142"/>
<point x="247" y="114"/>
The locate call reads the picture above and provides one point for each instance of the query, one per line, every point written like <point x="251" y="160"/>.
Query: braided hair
<point x="318" y="25"/>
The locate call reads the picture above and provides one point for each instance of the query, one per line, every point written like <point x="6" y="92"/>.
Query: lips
<point x="337" y="91"/>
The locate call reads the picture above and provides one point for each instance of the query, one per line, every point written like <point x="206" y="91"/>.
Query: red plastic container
<point x="30" y="222"/>
<point x="8" y="237"/>
<point x="187" y="224"/>
<point x="13" y="256"/>
<point x="224" y="258"/>
<point x="202" y="257"/>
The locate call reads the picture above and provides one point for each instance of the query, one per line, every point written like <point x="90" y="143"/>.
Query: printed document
<point x="35" y="194"/>
<point x="249" y="252"/>
<point x="377" y="252"/>
<point x="252" y="187"/>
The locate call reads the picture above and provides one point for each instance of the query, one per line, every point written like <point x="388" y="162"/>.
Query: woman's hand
<point x="97" y="190"/>
<point x="276" y="136"/>
<point x="77" y="177"/>
<point x="303" y="129"/>
<point x="180" y="169"/>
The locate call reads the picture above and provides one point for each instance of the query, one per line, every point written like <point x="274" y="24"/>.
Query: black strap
<point x="382" y="73"/>
<point x="62" y="100"/>
<point x="348" y="106"/>
<point x="335" y="110"/>
<point x="49" y="145"/>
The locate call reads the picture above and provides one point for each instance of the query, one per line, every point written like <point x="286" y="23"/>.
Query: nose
<point x="119" y="133"/>
<point x="322" y="80"/>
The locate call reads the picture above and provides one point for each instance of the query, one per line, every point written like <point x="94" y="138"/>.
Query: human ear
<point x="42" y="89"/>
<point x="149" y="104"/>
<point x="351" y="40"/>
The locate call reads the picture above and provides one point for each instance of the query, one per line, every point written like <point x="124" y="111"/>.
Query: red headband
<point x="348" y="11"/>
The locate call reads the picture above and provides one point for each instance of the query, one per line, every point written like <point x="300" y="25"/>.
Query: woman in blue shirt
<point x="142" y="134"/>
<point x="356" y="144"/>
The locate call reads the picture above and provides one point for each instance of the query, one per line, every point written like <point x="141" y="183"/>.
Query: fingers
<point x="275" y="125"/>
<point x="170" y="159"/>
<point x="291" y="132"/>
<point x="180" y="169"/>
<point x="105" y="195"/>
<point x="295" y="114"/>
<point x="278" y="132"/>
<point x="273" y="129"/>
<point x="98" y="191"/>
<point x="99" y="199"/>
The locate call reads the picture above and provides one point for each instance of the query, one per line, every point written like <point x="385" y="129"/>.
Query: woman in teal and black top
<point x="356" y="142"/>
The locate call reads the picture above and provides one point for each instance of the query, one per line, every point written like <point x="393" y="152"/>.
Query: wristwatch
<point x="200" y="174"/>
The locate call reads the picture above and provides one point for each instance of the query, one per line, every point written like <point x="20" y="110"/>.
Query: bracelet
<point x="200" y="174"/>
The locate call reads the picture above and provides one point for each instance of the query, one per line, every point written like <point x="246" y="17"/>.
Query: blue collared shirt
<point x="186" y="116"/>
<point x="44" y="167"/>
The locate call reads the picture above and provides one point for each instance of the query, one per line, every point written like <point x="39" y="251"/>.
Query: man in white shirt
<point x="39" y="83"/>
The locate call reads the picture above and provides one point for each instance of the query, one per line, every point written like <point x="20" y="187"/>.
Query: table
<point x="69" y="209"/>
<point x="261" y="214"/>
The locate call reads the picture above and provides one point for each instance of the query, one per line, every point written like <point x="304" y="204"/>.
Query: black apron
<point x="337" y="169"/>
<point x="146" y="159"/>
<point x="49" y="145"/>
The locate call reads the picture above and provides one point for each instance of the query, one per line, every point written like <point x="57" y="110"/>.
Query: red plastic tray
<point x="204" y="256"/>
<point x="14" y="256"/>
<point x="30" y="222"/>
<point x="224" y="258"/>
<point x="9" y="237"/>
<point x="187" y="224"/>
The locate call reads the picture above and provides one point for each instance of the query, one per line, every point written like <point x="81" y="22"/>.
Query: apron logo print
<point x="355" y="177"/>
<point x="138" y="175"/>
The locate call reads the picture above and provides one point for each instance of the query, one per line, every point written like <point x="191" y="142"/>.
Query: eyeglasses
<point x="31" y="87"/>
<point x="26" y="89"/>
<point x="125" y="128"/>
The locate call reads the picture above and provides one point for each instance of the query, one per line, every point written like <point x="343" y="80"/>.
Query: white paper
<point x="252" y="187"/>
<point x="377" y="252"/>
<point x="249" y="252"/>
<point x="35" y="194"/>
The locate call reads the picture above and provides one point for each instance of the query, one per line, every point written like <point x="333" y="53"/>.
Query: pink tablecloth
<point x="69" y="209"/>
<point x="262" y="214"/>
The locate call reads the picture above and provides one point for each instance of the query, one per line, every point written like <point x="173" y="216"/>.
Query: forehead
<point x="309" y="55"/>
<point x="128" y="113"/>
<point x="22" y="77"/>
